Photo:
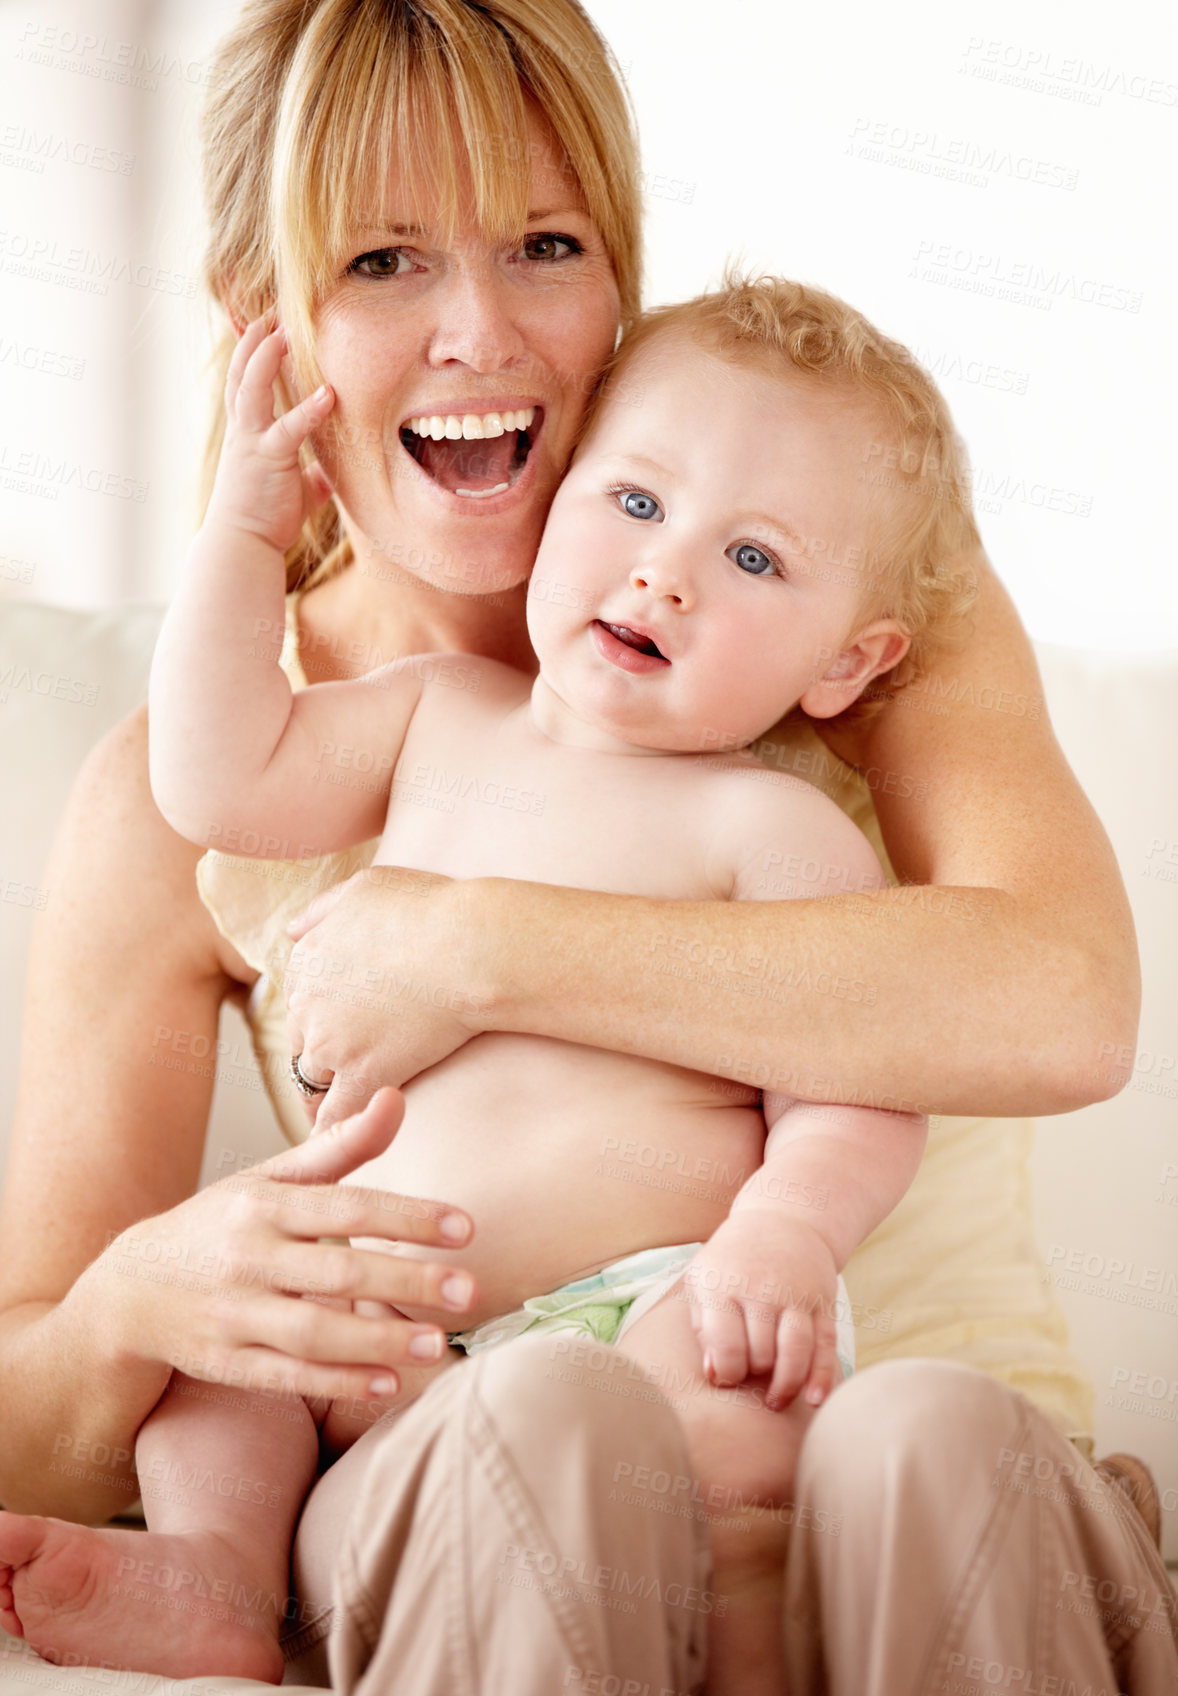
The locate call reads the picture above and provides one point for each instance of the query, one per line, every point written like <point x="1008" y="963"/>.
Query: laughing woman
<point x="439" y="199"/>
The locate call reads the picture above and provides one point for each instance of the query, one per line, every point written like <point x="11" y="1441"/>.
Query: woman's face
<point x="461" y="369"/>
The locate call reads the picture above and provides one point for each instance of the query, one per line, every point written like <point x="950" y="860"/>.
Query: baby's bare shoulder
<point x="456" y="687"/>
<point x="778" y="837"/>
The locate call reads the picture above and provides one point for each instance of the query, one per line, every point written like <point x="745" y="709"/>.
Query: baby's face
<point x="718" y="514"/>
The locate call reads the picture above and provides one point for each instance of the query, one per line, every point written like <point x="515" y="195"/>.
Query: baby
<point x="679" y="608"/>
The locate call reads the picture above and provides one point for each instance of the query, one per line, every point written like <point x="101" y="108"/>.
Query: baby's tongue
<point x="469" y="465"/>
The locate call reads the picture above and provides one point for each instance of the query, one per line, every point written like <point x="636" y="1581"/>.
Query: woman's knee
<point x="599" y="1400"/>
<point x="919" y="1408"/>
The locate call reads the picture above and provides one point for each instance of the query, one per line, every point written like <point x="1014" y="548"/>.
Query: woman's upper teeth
<point x="471" y="426"/>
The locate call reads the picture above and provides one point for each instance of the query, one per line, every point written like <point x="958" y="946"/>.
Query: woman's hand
<point x="379" y="984"/>
<point x="214" y="1285"/>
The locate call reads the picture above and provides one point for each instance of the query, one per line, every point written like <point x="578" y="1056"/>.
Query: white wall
<point x="820" y="144"/>
<point x="103" y="332"/>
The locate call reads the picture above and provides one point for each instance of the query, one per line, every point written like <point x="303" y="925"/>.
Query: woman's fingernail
<point x="814" y="1394"/>
<point x="453" y="1227"/>
<point x="383" y="1386"/>
<point x="456" y="1291"/>
<point x="426" y="1345"/>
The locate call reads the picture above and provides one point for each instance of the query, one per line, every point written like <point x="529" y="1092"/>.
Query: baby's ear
<point x="845" y="675"/>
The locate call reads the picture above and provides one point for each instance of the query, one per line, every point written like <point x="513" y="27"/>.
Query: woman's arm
<point x="1003" y="989"/>
<point x="126" y="966"/>
<point x="104" y="1134"/>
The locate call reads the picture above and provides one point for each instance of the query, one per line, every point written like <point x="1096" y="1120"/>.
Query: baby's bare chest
<point x="477" y="792"/>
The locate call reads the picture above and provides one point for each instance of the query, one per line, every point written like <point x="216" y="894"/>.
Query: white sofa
<point x="1106" y="1178"/>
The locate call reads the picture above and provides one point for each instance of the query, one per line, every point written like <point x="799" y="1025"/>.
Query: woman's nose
<point x="475" y="325"/>
<point x="666" y="577"/>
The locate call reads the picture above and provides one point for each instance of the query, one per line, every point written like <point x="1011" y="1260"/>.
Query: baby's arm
<point x="233" y="749"/>
<point x="763" y="1288"/>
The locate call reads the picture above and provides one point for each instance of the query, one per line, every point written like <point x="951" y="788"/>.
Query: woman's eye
<point x="381" y="262"/>
<point x="547" y="247"/>
<point x="638" y="505"/>
<point x="753" y="560"/>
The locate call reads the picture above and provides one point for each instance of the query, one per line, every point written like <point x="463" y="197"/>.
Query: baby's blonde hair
<point x="311" y="101"/>
<point x="920" y="569"/>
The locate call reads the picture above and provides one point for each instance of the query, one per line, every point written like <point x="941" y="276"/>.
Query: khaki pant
<point x="528" y="1528"/>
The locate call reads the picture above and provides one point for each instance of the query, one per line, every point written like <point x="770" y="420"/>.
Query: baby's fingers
<point x="248" y="342"/>
<point x="253" y="403"/>
<point x="795" y="1352"/>
<point x="761" y="1324"/>
<point x="293" y="428"/>
<point x="719" y="1329"/>
<point x="825" y="1371"/>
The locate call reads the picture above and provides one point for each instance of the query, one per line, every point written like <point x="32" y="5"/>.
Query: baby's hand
<point x="762" y="1293"/>
<point x="260" y="486"/>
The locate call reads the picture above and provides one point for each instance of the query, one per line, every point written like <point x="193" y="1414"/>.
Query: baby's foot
<point x="180" y="1604"/>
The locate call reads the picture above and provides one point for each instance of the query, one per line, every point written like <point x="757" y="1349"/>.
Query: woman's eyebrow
<point x="414" y="230"/>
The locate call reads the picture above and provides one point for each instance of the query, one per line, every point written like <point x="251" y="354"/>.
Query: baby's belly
<point x="566" y="1158"/>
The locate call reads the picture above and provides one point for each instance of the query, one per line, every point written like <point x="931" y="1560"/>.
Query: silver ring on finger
<point x="305" y="1086"/>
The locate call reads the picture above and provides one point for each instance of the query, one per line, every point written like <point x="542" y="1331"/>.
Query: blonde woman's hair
<point x="311" y="102"/>
<point x="920" y="568"/>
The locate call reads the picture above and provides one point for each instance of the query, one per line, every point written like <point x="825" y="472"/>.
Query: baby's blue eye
<point x="639" y="505"/>
<point x="753" y="560"/>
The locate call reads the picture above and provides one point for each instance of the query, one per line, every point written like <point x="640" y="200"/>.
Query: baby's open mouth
<point x="476" y="454"/>
<point x="633" y="639"/>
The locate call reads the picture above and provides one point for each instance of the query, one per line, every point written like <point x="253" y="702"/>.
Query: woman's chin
<point x="491" y="556"/>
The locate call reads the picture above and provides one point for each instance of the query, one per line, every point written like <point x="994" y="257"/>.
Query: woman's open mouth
<point x="473" y="454"/>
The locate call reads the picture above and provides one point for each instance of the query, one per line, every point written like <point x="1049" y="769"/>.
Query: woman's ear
<point x="875" y="648"/>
